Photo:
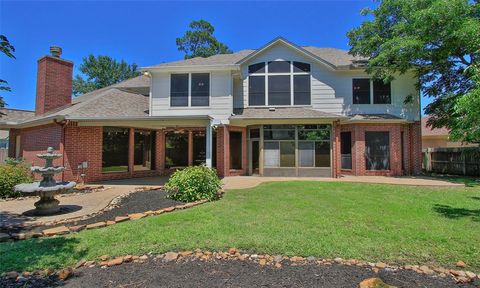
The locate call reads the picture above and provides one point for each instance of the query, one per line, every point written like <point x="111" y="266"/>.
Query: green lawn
<point x="397" y="224"/>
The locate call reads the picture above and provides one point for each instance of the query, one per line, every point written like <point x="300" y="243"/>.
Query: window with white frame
<point x="190" y="90"/>
<point x="279" y="83"/>
<point x="366" y="91"/>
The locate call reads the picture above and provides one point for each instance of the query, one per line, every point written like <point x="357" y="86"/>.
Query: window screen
<point x="256" y="90"/>
<point x="279" y="67"/>
<point x="200" y="89"/>
<point x="179" y="90"/>
<point x="272" y="154"/>
<point x="279" y="90"/>
<point x="306" y="154"/>
<point x="301" y="89"/>
<point x="381" y="92"/>
<point x="361" y="91"/>
<point x="377" y="150"/>
<point x="301" y="67"/>
<point x="257" y="68"/>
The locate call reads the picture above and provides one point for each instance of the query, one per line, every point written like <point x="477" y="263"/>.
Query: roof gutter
<point x="26" y="124"/>
<point x="140" y="118"/>
<point x="190" y="68"/>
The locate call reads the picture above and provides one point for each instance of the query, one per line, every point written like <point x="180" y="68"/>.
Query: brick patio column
<point x="244" y="151"/>
<point x="190" y="148"/>
<point x="160" y="151"/>
<point x="416" y="148"/>
<point x="131" y="150"/>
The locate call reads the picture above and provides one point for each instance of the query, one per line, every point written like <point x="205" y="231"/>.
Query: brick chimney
<point x="54" y="82"/>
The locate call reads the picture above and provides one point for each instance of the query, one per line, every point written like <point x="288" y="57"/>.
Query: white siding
<point x="221" y="99"/>
<point x="331" y="90"/>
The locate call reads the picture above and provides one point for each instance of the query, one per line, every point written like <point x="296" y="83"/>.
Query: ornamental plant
<point x="11" y="174"/>
<point x="193" y="184"/>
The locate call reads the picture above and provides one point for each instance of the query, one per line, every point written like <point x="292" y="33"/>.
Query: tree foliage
<point x="439" y="41"/>
<point x="200" y="42"/>
<point x="101" y="71"/>
<point x="7" y="49"/>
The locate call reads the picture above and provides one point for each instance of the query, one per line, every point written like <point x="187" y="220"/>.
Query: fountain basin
<point x="47" y="205"/>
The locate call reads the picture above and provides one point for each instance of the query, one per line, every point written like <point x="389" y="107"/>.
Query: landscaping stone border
<point x="275" y="261"/>
<point x="74" y="192"/>
<point x="62" y="230"/>
<point x="111" y="205"/>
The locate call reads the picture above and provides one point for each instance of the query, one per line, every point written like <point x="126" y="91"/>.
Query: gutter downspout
<point x="62" y="123"/>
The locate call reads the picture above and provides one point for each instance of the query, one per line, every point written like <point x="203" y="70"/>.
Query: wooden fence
<point x="455" y="161"/>
<point x="3" y="155"/>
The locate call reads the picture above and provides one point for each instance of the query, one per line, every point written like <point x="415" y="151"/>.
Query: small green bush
<point x="11" y="174"/>
<point x="193" y="184"/>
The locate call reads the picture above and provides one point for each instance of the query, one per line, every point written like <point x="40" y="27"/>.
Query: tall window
<point x="346" y="149"/>
<point x="381" y="92"/>
<point x="115" y="149"/>
<point x="176" y="149"/>
<point x="377" y="150"/>
<point x="361" y="91"/>
<point x="362" y="94"/>
<point x="200" y="89"/>
<point x="181" y="88"/>
<point x="144" y="148"/>
<point x="279" y="76"/>
<point x="235" y="150"/>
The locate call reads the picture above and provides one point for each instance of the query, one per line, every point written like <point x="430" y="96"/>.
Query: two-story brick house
<point x="281" y="110"/>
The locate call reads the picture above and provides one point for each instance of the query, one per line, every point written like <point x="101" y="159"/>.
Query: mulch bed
<point x="233" y="273"/>
<point x="136" y="202"/>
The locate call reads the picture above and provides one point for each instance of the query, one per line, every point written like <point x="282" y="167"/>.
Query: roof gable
<point x="285" y="42"/>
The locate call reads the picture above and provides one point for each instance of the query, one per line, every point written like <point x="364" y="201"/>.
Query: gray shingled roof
<point x="15" y="115"/>
<point x="118" y="100"/>
<point x="220" y="59"/>
<point x="359" y="117"/>
<point x="336" y="57"/>
<point x="281" y="113"/>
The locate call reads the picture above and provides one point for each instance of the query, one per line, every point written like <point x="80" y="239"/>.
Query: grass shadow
<point x="456" y="213"/>
<point x="466" y="180"/>
<point x="42" y="253"/>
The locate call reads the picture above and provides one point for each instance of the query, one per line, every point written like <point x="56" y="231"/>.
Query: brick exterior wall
<point x="54" y="84"/>
<point x="36" y="140"/>
<point x="79" y="144"/>
<point x="411" y="150"/>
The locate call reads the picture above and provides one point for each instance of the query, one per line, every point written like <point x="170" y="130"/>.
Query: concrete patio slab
<point x="243" y="182"/>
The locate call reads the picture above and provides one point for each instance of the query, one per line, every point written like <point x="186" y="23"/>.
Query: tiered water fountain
<point x="48" y="187"/>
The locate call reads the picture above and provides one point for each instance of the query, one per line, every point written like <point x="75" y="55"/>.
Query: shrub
<point x="193" y="183"/>
<point x="11" y="174"/>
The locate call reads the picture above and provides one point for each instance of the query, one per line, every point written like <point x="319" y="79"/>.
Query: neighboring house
<point x="11" y="115"/>
<point x="438" y="137"/>
<point x="281" y="110"/>
<point x="3" y="139"/>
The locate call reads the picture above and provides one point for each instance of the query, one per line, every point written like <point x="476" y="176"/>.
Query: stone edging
<point x="276" y="261"/>
<point x="77" y="191"/>
<point x="62" y="230"/>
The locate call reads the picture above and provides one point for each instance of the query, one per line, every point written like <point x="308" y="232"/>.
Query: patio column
<point x="190" y="148"/>
<point x="208" y="150"/>
<point x="131" y="151"/>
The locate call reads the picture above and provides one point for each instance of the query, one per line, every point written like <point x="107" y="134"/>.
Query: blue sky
<point x="144" y="32"/>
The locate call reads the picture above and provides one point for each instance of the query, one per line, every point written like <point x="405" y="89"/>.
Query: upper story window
<point x="363" y="93"/>
<point x="189" y="89"/>
<point x="279" y="83"/>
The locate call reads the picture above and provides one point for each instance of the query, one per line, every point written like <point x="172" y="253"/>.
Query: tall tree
<point x="200" y="42"/>
<point x="437" y="40"/>
<point x="7" y="49"/>
<point x="101" y="71"/>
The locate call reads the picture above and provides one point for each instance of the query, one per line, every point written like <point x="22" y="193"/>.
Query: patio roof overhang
<point x="290" y="121"/>
<point x="149" y="122"/>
